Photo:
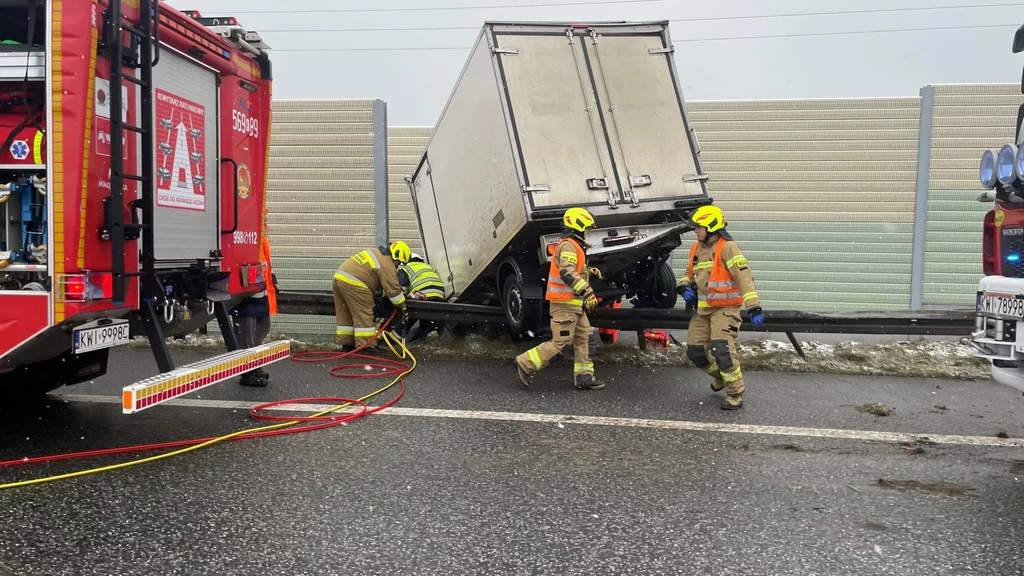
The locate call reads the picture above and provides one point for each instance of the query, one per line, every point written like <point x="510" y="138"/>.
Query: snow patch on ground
<point x="926" y="359"/>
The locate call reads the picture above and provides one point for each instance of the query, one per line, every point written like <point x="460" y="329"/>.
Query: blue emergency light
<point x="1014" y="258"/>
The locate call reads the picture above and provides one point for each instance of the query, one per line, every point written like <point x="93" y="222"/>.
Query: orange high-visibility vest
<point x="723" y="291"/>
<point x="559" y="291"/>
<point x="271" y="290"/>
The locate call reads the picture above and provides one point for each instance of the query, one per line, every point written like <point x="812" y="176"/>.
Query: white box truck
<point x="546" y="116"/>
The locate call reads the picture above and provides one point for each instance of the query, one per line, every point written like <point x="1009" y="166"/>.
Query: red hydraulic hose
<point x="386" y="367"/>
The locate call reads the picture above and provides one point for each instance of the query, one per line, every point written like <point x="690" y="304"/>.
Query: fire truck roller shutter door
<point x="187" y="174"/>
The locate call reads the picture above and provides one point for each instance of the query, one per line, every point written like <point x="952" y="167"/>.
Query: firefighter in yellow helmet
<point x="718" y="279"/>
<point x="570" y="297"/>
<point x="356" y="282"/>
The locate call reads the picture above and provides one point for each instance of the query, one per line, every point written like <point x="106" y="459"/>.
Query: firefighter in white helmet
<point x="718" y="279"/>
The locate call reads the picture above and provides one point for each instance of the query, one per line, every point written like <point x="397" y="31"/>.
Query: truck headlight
<point x="1020" y="163"/>
<point x="987" y="169"/>
<point x="1006" y="168"/>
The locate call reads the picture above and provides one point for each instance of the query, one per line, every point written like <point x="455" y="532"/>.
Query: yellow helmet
<point x="709" y="217"/>
<point x="400" y="251"/>
<point x="578" y="219"/>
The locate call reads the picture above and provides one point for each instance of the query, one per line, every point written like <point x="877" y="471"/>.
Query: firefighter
<point x="356" y="282"/>
<point x="570" y="297"/>
<point x="252" y="318"/>
<point x="719" y="281"/>
<point x="420" y="282"/>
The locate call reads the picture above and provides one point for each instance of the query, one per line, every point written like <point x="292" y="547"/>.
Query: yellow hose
<point x="387" y="338"/>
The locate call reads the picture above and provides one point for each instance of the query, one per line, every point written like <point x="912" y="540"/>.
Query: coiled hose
<point x="285" y="424"/>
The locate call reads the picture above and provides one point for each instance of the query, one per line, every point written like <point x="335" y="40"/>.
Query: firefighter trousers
<point x="353" y="309"/>
<point x="569" y="325"/>
<point x="711" y="346"/>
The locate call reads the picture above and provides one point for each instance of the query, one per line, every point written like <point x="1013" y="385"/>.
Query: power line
<point x="680" y="20"/>
<point x="687" y="40"/>
<point x="444" y="8"/>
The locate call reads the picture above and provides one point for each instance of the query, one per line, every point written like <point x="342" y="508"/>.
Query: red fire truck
<point x="132" y="185"/>
<point x="1000" y="301"/>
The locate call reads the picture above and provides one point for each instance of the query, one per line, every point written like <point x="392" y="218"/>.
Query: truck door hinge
<point x="660" y="51"/>
<point x="695" y="177"/>
<point x="597" y="183"/>
<point x="538" y="189"/>
<point x="511" y="51"/>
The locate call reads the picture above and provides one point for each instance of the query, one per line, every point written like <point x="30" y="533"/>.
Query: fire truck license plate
<point x="92" y="337"/>
<point x="1004" y="306"/>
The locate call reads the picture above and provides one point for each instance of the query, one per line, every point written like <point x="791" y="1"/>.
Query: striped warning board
<point x="192" y="377"/>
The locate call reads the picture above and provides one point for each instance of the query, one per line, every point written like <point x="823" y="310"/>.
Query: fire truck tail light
<point x="252" y="275"/>
<point x="85" y="287"/>
<point x="989" y="259"/>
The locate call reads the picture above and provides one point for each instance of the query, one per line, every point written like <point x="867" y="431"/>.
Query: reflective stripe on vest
<point x="423" y="278"/>
<point x="349" y="279"/>
<point x="433" y="293"/>
<point x="558" y="290"/>
<point x="367" y="258"/>
<point x="723" y="291"/>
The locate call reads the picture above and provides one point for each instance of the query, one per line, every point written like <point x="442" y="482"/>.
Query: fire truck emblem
<point x="181" y="161"/>
<point x="19" y="150"/>
<point x="244" y="181"/>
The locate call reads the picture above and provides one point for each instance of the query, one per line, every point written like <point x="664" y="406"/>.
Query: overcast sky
<point x="815" y="58"/>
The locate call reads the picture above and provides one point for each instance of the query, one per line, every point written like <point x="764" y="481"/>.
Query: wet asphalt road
<point x="427" y="495"/>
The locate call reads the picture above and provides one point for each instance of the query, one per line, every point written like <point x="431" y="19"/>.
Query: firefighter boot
<point x="524" y="376"/>
<point x="717" y="385"/>
<point x="262" y="374"/>
<point x="253" y="380"/>
<point x="588" y="382"/>
<point x="732" y="402"/>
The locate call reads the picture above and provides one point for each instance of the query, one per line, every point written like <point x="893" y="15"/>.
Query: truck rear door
<point x="557" y="128"/>
<point x="429" y="219"/>
<point x="634" y="77"/>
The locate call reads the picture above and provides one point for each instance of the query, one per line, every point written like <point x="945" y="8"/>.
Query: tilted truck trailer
<point x="547" y="116"/>
<point x="999" y="328"/>
<point x="132" y="186"/>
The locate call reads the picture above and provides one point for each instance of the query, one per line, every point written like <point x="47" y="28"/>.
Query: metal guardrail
<point x="918" y="323"/>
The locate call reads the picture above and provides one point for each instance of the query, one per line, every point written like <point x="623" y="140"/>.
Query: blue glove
<point x="756" y="316"/>
<point x="689" y="295"/>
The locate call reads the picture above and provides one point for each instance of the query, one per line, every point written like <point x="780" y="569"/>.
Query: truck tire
<point x="661" y="293"/>
<point x="522" y="315"/>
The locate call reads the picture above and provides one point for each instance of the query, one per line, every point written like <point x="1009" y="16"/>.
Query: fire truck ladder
<point x="141" y="55"/>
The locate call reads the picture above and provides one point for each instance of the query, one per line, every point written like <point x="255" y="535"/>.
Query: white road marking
<point x="869" y="435"/>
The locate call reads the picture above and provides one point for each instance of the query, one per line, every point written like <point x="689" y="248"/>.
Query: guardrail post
<point x="924" y="160"/>
<point x="380" y="172"/>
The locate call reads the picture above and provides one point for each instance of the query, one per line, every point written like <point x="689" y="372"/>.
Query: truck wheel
<point x="661" y="292"/>
<point x="521" y="314"/>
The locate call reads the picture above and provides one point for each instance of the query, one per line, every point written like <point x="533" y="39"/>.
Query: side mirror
<point x="1020" y="119"/>
<point x="1018" y="41"/>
